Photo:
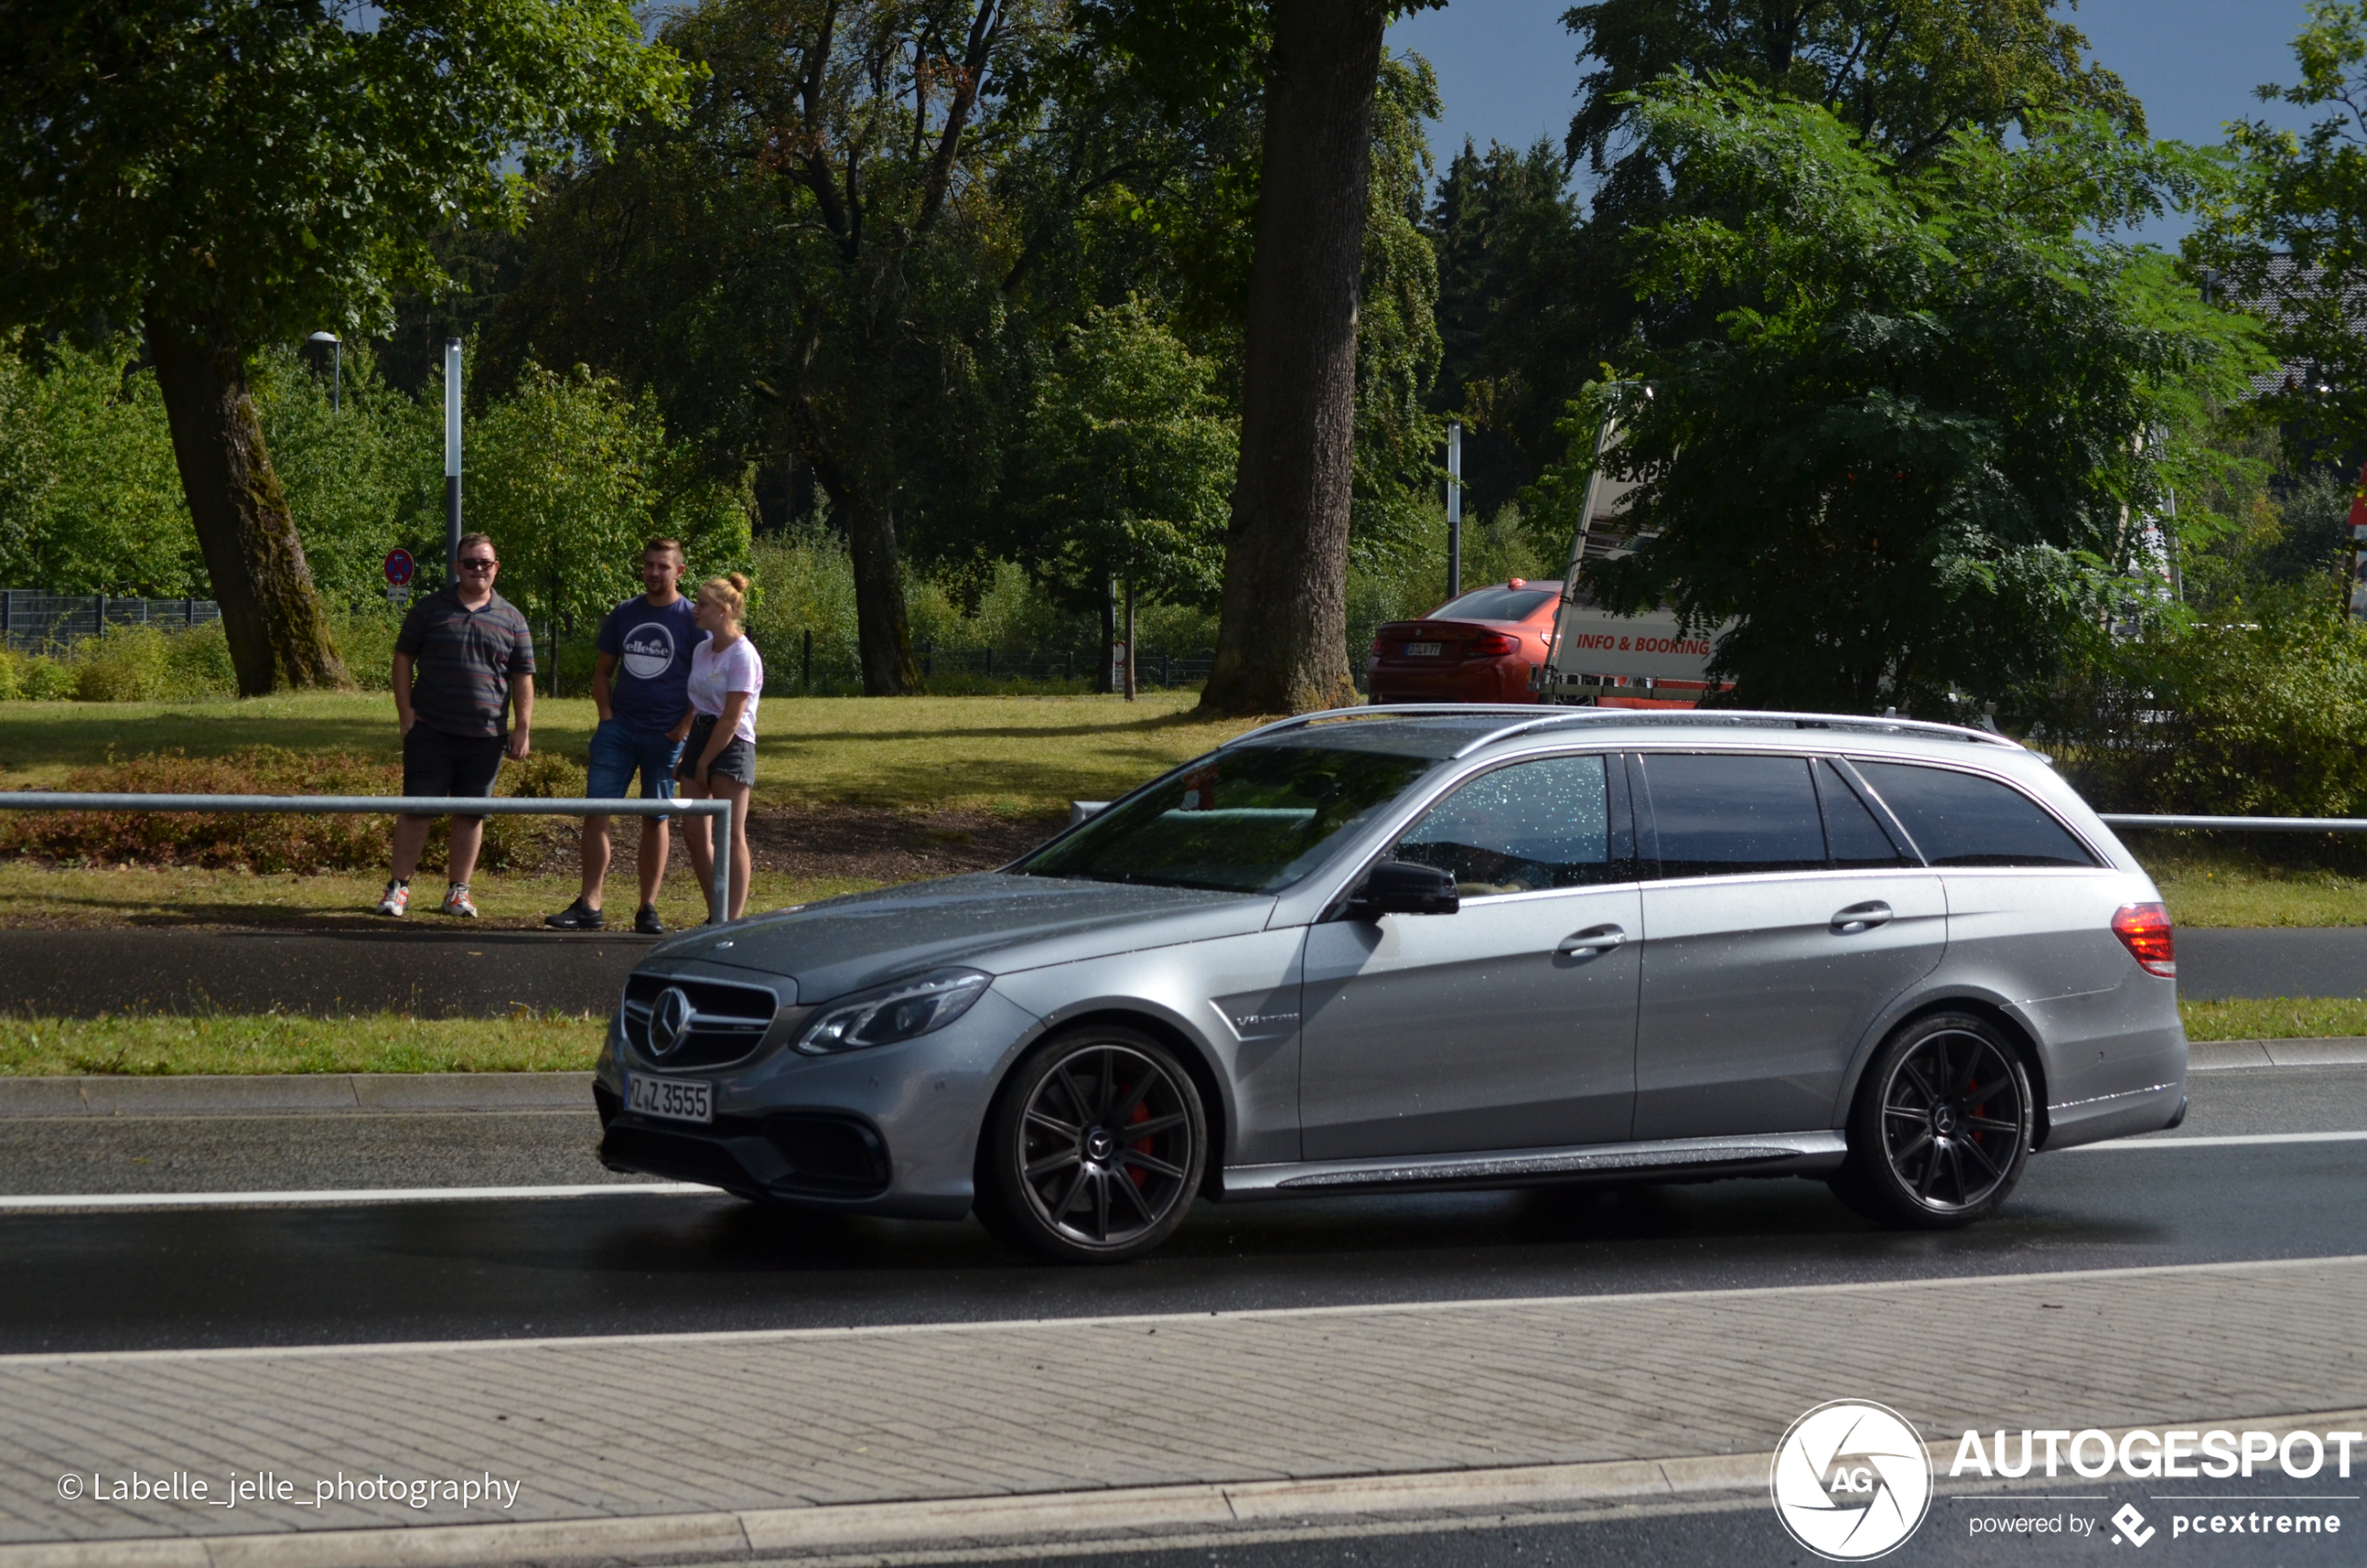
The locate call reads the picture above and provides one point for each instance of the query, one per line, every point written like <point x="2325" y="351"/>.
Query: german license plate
<point x="677" y="1100"/>
<point x="1422" y="650"/>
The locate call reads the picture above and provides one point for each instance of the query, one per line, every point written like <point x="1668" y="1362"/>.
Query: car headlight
<point x="901" y="1010"/>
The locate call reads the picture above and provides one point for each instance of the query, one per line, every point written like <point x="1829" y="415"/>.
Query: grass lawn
<point x="2281" y="1018"/>
<point x="1018" y="756"/>
<point x="149" y="1045"/>
<point x="152" y="1044"/>
<point x="2208" y="883"/>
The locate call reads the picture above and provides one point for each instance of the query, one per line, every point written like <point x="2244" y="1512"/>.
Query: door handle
<point x="1861" y="917"/>
<point x="1594" y="942"/>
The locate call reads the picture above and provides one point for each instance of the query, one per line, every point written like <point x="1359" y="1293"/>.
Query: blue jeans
<point x="619" y="751"/>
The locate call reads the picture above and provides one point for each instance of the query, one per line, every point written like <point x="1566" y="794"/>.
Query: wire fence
<point x="31" y="621"/>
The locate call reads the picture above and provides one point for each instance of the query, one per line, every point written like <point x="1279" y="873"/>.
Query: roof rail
<point x="1727" y="719"/>
<point x="1393" y="710"/>
<point x="1541" y="716"/>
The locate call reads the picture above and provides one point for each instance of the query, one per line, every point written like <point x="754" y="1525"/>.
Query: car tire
<point x="1942" y="1127"/>
<point x="1094" y="1149"/>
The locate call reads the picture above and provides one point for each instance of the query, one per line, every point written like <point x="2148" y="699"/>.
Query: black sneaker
<point x="577" y="916"/>
<point x="646" y="922"/>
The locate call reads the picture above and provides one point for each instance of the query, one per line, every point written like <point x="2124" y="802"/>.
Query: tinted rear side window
<point x="1729" y="816"/>
<point x="1855" y="834"/>
<point x="1961" y="819"/>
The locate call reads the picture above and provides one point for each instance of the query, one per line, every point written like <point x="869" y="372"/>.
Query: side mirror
<point x="1401" y="887"/>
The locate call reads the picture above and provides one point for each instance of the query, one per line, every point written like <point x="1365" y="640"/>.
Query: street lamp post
<point x="336" y="365"/>
<point x="1454" y="510"/>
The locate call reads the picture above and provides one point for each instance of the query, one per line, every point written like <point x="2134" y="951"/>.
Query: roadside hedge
<point x="274" y="841"/>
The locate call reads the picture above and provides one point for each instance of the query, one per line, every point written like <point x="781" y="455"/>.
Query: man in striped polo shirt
<point x="463" y="658"/>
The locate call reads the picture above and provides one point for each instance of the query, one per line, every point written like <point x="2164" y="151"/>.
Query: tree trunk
<point x="883" y="632"/>
<point x="1130" y="639"/>
<point x="1281" y="639"/>
<point x="271" y="613"/>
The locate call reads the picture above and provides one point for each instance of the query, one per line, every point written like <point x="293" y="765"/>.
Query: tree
<point x="1545" y="275"/>
<point x="1129" y="459"/>
<point x="89" y="499"/>
<point x="2289" y="237"/>
<point x="231" y="173"/>
<point x="572" y="478"/>
<point x="818" y="252"/>
<point x="1903" y="458"/>
<point x="1282" y="638"/>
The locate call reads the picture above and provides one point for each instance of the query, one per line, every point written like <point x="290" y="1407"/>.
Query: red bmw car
<point x="1478" y="647"/>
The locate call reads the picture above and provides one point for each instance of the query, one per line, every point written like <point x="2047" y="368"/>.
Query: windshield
<point x="1495" y="604"/>
<point x="1246" y="821"/>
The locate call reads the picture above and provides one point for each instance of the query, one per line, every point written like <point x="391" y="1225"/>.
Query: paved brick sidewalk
<point x="678" y="1424"/>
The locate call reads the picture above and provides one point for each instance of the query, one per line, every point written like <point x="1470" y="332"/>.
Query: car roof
<point x="1445" y="731"/>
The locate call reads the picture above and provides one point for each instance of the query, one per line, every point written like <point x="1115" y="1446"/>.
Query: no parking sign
<point x="400" y="568"/>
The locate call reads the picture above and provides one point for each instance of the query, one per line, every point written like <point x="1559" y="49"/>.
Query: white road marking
<point x="2225" y="1141"/>
<point x="343" y="1195"/>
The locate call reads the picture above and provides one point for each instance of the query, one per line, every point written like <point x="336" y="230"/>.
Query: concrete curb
<point x="937" y="1521"/>
<point x="2211" y="1056"/>
<point x="295" y="1093"/>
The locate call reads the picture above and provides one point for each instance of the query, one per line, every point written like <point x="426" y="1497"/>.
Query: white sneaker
<point x="397" y="900"/>
<point x="456" y="900"/>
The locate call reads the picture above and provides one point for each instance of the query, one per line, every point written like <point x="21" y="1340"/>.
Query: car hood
<point x="992" y="920"/>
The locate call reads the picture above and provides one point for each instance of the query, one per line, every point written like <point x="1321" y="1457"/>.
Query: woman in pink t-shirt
<point x="719" y="752"/>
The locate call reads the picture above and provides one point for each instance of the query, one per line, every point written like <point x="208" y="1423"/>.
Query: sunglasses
<point x="479" y="563"/>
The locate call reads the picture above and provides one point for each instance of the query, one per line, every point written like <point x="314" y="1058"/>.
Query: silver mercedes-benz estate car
<point x="1424" y="948"/>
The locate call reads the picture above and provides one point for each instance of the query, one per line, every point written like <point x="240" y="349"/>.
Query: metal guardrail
<point x="719" y="883"/>
<point x="2240" y="825"/>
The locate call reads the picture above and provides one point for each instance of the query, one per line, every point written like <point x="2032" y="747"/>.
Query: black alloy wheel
<point x="1094" y="1149"/>
<point x="1943" y="1126"/>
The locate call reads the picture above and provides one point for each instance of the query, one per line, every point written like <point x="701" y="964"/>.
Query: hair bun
<point x="738" y="580"/>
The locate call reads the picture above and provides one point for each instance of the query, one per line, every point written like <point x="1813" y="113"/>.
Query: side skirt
<point x="1799" y="1154"/>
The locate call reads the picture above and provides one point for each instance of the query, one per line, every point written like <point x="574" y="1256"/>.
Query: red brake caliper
<point x="1141" y="1146"/>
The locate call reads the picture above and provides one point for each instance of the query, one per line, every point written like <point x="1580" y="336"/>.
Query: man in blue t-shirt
<point x="640" y="687"/>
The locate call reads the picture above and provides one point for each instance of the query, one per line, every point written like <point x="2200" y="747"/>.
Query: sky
<point x="1507" y="68"/>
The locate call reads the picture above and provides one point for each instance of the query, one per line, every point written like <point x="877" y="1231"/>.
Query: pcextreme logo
<point x="1851" y="1481"/>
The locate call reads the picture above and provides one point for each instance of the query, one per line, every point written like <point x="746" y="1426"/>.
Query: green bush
<point x="45" y="680"/>
<point x="2247" y="720"/>
<point x="11" y="677"/>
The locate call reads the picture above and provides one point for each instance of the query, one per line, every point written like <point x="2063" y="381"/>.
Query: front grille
<point x="728" y="1019"/>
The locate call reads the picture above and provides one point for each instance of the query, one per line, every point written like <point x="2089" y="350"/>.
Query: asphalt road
<point x="643" y="1263"/>
<point x="2286" y="960"/>
<point x="443" y="973"/>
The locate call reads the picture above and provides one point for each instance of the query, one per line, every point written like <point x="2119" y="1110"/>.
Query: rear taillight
<point x="2145" y="931"/>
<point x="1377" y="647"/>
<point x="1489" y="645"/>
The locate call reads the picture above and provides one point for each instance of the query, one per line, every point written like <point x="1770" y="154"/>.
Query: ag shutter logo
<point x="1851" y="1481"/>
<point x="648" y="652"/>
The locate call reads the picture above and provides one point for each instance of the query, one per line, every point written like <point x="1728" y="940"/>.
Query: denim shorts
<point x="619" y="751"/>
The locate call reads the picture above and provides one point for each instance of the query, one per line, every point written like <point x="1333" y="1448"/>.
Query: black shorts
<point x="435" y="763"/>
<point x="736" y="760"/>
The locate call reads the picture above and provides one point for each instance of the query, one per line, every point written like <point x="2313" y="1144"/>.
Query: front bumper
<point x="891" y="1130"/>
